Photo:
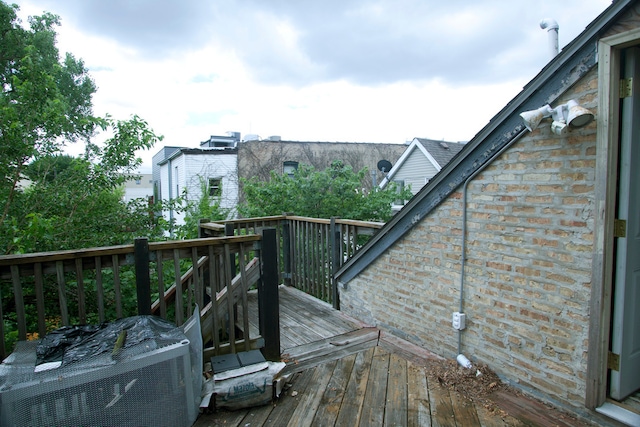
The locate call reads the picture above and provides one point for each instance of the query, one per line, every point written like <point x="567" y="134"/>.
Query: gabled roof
<point x="439" y="153"/>
<point x="575" y="60"/>
<point x="442" y="151"/>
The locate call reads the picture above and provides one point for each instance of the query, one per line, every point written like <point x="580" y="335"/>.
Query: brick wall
<point x="528" y="266"/>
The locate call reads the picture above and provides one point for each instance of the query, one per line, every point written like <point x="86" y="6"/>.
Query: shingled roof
<point x="442" y="151"/>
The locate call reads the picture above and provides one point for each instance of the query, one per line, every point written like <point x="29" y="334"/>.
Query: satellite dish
<point x="384" y="166"/>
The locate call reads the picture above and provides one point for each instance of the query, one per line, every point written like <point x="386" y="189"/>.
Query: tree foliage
<point x="46" y="103"/>
<point x="205" y="207"/>
<point x="335" y="191"/>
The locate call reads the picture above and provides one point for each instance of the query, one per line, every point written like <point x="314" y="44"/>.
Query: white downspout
<point x="462" y="360"/>
<point x="552" y="29"/>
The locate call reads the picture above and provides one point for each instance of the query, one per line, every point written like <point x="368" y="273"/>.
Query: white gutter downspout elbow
<point x="552" y="29"/>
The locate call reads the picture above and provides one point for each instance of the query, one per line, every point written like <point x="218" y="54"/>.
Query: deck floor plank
<point x="418" y="405"/>
<point x="496" y="419"/>
<point x="522" y="409"/>
<point x="257" y="416"/>
<point x="287" y="403"/>
<point x="335" y="393"/>
<point x="464" y="411"/>
<point x="442" y="414"/>
<point x="310" y="399"/>
<point x="395" y="413"/>
<point x="351" y="408"/>
<point x="373" y="406"/>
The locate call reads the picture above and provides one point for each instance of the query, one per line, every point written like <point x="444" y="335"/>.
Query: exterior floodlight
<point x="578" y="116"/>
<point x="559" y="124"/>
<point x="564" y="116"/>
<point x="533" y="118"/>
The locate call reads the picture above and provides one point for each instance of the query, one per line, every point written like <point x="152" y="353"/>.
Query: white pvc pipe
<point x="552" y="29"/>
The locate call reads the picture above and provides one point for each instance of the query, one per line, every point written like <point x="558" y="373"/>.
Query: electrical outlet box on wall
<point x="458" y="321"/>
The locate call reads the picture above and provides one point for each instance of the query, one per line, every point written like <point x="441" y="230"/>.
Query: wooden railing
<point x="310" y="251"/>
<point x="102" y="284"/>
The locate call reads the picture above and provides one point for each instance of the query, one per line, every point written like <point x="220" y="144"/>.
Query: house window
<point x="289" y="168"/>
<point x="215" y="187"/>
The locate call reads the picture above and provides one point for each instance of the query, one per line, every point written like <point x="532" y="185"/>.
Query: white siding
<point x="224" y="166"/>
<point x="415" y="170"/>
<point x="172" y="188"/>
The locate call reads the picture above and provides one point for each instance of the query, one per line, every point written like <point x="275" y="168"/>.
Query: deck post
<point x="202" y="233"/>
<point x="143" y="282"/>
<point x="286" y="251"/>
<point x="336" y="241"/>
<point x="268" y="299"/>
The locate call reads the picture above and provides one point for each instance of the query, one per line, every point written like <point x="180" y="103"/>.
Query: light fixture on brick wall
<point x="564" y="116"/>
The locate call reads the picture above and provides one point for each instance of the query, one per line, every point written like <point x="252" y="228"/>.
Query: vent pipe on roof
<point x="552" y="29"/>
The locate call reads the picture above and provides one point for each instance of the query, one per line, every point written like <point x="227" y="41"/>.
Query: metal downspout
<point x="464" y="221"/>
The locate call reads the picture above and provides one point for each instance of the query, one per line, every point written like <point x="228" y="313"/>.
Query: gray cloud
<point x="365" y="42"/>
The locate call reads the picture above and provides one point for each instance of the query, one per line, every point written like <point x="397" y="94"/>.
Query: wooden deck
<point x="348" y="374"/>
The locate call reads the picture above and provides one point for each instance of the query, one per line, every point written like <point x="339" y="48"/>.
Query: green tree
<point x="44" y="100"/>
<point x="45" y="103"/>
<point x="336" y="191"/>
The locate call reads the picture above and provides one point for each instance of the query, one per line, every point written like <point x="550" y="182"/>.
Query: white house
<point x="422" y="159"/>
<point x="187" y="169"/>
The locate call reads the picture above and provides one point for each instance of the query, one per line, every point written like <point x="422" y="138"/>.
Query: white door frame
<point x="609" y="50"/>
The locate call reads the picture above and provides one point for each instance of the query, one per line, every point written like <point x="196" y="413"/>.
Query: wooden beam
<point x="315" y="353"/>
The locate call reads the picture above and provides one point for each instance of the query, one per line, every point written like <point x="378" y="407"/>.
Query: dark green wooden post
<point x="143" y="282"/>
<point x="268" y="299"/>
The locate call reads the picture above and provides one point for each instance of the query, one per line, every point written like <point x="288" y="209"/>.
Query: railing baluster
<point x="213" y="290"/>
<point x="62" y="293"/>
<point x="308" y="285"/>
<point x="39" y="288"/>
<point x="99" y="289"/>
<point x="17" y="294"/>
<point x="116" y="286"/>
<point x="161" y="300"/>
<point x="323" y="260"/>
<point x="179" y="300"/>
<point x="245" y="301"/>
<point x="230" y="311"/>
<point x="197" y="282"/>
<point x="286" y="252"/>
<point x="336" y="257"/>
<point x="82" y="311"/>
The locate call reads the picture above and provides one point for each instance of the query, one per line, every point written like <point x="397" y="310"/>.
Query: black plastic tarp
<point x="71" y="344"/>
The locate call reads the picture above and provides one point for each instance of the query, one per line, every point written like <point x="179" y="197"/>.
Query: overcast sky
<point x="325" y="70"/>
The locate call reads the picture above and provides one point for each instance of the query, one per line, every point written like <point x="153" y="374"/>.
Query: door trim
<point x="609" y="49"/>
